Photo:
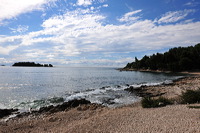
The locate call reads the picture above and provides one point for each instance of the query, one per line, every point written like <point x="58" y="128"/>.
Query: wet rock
<point x="139" y="91"/>
<point x="64" y="106"/>
<point x="53" y="109"/>
<point x="45" y="109"/>
<point x="127" y="85"/>
<point x="134" y="90"/>
<point x="103" y="88"/>
<point x="142" y="91"/>
<point x="7" y="112"/>
<point x="108" y="101"/>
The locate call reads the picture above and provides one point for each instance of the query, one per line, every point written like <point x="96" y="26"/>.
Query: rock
<point x="92" y="106"/>
<point x="139" y="91"/>
<point x="7" y="112"/>
<point x="129" y="89"/>
<point x="83" y="108"/>
<point x="64" y="106"/>
<point x="127" y="85"/>
<point x="143" y="92"/>
<point x="53" y="109"/>
<point x="134" y="90"/>
<point x="45" y="109"/>
<point x="108" y="101"/>
<point x="103" y="88"/>
<point x="52" y="119"/>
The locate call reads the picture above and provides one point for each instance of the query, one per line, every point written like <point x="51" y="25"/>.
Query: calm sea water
<point x="25" y="87"/>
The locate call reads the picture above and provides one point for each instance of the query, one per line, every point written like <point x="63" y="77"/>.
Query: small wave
<point x="2" y="106"/>
<point x="37" y="104"/>
<point x="152" y="84"/>
<point x="111" y="96"/>
<point x="108" y="96"/>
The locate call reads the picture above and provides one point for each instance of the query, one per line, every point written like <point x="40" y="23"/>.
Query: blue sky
<point x="94" y="32"/>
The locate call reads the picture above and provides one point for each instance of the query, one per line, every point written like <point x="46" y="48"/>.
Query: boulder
<point x="66" y="105"/>
<point x="7" y="112"/>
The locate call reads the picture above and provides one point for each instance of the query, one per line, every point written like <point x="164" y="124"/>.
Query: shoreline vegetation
<point x="83" y="116"/>
<point x="30" y="64"/>
<point x="175" y="60"/>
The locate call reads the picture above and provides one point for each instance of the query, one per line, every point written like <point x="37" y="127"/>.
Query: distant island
<point x="176" y="59"/>
<point x="31" y="64"/>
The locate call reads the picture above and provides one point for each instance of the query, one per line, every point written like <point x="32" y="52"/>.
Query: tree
<point x="176" y="59"/>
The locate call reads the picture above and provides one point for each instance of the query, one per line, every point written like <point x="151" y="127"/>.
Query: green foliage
<point x="176" y="59"/>
<point x="194" y="107"/>
<point x="190" y="96"/>
<point x="164" y="101"/>
<point x="148" y="102"/>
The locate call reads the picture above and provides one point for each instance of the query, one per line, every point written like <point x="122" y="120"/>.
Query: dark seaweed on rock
<point x="7" y="112"/>
<point x="53" y="109"/>
<point x="66" y="105"/>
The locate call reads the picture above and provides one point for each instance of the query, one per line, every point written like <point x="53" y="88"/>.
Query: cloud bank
<point x="81" y="37"/>
<point x="12" y="8"/>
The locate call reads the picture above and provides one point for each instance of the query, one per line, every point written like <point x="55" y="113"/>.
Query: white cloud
<point x="7" y="50"/>
<point x="105" y="5"/>
<point x="79" y="34"/>
<point x="98" y="62"/>
<point x="12" y="8"/>
<point x="192" y="3"/>
<point x="84" y="2"/>
<point x="189" y="4"/>
<point x="82" y="33"/>
<point x="171" y="17"/>
<point x="20" y="29"/>
<point x="129" y="16"/>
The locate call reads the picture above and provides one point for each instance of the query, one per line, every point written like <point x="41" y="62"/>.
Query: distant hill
<point x="31" y="64"/>
<point x="176" y="60"/>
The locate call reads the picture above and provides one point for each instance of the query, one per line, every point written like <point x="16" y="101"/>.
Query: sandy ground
<point x="174" y="90"/>
<point x="129" y="119"/>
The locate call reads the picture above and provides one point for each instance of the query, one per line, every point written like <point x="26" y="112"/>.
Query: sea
<point x="35" y="87"/>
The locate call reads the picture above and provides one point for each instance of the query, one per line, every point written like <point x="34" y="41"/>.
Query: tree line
<point x="31" y="64"/>
<point x="176" y="59"/>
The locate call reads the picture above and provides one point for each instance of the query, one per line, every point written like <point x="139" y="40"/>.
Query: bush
<point x="164" y="101"/>
<point x="194" y="107"/>
<point x="148" y="102"/>
<point x="190" y="96"/>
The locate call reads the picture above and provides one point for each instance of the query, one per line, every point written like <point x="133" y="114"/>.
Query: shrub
<point x="190" y="96"/>
<point x="164" y="101"/>
<point x="194" y="107"/>
<point x="148" y="102"/>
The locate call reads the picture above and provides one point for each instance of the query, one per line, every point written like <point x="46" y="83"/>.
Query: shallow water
<point x="25" y="87"/>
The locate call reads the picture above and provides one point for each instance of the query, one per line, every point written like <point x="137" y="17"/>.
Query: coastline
<point x="143" y="70"/>
<point x="130" y="118"/>
<point x="195" y="72"/>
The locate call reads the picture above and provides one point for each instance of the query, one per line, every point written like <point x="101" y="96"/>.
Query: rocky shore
<point x="83" y="116"/>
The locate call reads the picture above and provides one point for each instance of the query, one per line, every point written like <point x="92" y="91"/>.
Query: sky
<point x="94" y="32"/>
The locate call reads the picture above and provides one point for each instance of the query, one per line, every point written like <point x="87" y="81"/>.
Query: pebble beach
<point x="132" y="118"/>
